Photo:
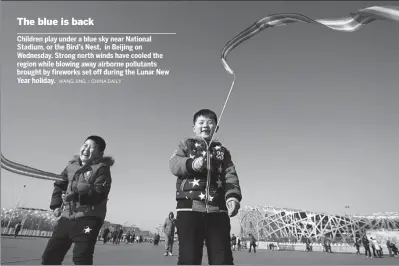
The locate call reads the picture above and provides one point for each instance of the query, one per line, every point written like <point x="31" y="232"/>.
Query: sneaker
<point x="170" y="254"/>
<point x="166" y="254"/>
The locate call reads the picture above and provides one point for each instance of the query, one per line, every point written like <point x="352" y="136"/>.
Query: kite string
<point x="225" y="103"/>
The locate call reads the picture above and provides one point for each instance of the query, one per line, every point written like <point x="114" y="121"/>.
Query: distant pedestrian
<point x="105" y="235"/>
<point x="169" y="228"/>
<point x="252" y="243"/>
<point x="18" y="227"/>
<point x="366" y="245"/>
<point x="357" y="246"/>
<point x="233" y="242"/>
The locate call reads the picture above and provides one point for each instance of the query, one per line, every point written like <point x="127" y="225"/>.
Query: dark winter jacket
<point x="18" y="227"/>
<point x="205" y="191"/>
<point x="365" y="242"/>
<point x="106" y="232"/>
<point x="86" y="187"/>
<point x="233" y="240"/>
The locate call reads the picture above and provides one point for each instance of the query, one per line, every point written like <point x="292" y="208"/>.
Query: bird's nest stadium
<point x="290" y="225"/>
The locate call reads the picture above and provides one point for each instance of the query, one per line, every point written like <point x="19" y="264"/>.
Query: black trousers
<point x="16" y="233"/>
<point x="367" y="251"/>
<point x="252" y="245"/>
<point x="82" y="232"/>
<point x="375" y="255"/>
<point x="194" y="228"/>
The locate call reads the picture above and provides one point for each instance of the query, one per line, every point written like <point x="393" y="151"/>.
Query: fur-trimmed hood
<point x="106" y="160"/>
<point x="215" y="139"/>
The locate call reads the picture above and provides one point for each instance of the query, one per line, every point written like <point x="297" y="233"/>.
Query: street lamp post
<point x="16" y="206"/>
<point x="158" y="228"/>
<point x="350" y="216"/>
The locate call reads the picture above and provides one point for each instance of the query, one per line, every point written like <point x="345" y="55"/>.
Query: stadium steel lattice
<point x="281" y="224"/>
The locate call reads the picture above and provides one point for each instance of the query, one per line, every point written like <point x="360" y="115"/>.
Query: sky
<point x="312" y="122"/>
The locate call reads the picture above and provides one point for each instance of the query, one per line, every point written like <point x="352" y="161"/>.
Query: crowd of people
<point x="118" y="236"/>
<point x="376" y="247"/>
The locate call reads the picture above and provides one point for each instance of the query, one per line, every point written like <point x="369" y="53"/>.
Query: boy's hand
<point x="67" y="197"/>
<point x="198" y="164"/>
<point x="57" y="212"/>
<point x="63" y="197"/>
<point x="232" y="207"/>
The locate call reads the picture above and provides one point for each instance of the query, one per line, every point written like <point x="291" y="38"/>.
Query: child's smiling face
<point x="204" y="127"/>
<point x="89" y="150"/>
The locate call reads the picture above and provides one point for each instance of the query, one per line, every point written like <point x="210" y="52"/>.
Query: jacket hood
<point x="106" y="160"/>
<point x="215" y="140"/>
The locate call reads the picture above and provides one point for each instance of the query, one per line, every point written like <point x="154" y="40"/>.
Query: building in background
<point x="290" y="225"/>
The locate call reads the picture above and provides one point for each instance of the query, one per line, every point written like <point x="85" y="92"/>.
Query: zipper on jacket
<point x="208" y="177"/>
<point x="72" y="205"/>
<point x="69" y="202"/>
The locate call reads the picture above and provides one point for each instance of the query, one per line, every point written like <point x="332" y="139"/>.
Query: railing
<point x="25" y="232"/>
<point x="316" y="247"/>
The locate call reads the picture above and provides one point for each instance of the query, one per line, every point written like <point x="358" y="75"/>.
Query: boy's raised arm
<point x="233" y="190"/>
<point x="179" y="164"/>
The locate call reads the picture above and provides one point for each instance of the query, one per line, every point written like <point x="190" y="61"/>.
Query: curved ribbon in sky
<point x="21" y="169"/>
<point x="347" y="24"/>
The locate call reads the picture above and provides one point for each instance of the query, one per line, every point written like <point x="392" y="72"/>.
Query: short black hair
<point x="99" y="141"/>
<point x="206" y="113"/>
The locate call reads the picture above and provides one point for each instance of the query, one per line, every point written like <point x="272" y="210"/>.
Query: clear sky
<point x="312" y="122"/>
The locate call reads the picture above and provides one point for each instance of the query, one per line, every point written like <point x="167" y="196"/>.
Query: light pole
<point x="353" y="234"/>
<point x="124" y="225"/>
<point x="16" y="206"/>
<point x="132" y="226"/>
<point x="159" y="227"/>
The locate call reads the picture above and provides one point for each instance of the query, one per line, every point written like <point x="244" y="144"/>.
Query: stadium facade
<point x="290" y="225"/>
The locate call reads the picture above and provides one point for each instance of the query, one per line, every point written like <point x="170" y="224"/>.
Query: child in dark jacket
<point x="81" y="201"/>
<point x="208" y="193"/>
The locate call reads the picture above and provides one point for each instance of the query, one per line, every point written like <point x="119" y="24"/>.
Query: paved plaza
<point x="28" y="250"/>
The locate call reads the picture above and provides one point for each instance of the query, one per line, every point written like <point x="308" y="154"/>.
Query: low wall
<point x="26" y="232"/>
<point x="336" y="248"/>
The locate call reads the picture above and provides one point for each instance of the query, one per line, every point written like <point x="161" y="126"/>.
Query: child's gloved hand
<point x="198" y="164"/>
<point x="232" y="207"/>
<point x="57" y="212"/>
<point x="67" y="197"/>
<point x="63" y="197"/>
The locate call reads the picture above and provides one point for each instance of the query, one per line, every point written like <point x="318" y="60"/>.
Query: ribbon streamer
<point x="20" y="169"/>
<point x="348" y="24"/>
